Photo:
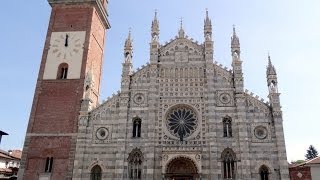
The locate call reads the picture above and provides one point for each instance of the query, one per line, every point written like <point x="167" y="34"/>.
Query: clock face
<point x="65" y="47"/>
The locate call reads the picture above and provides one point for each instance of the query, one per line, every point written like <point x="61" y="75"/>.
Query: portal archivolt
<point x="181" y="168"/>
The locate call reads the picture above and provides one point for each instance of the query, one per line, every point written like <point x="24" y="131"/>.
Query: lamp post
<point x="2" y="133"/>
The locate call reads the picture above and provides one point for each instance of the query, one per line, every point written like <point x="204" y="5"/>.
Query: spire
<point x="207" y="21"/>
<point x="270" y="68"/>
<point x="155" y="27"/>
<point x="208" y="42"/>
<point x="181" y="31"/>
<point x="128" y="49"/>
<point x="207" y="27"/>
<point x="235" y="43"/>
<point x="274" y="95"/>
<point x="128" y="42"/>
<point x="234" y="39"/>
<point x="128" y="53"/>
<point x="271" y="77"/>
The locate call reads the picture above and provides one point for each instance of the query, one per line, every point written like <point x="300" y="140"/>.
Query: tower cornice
<point x="100" y="7"/>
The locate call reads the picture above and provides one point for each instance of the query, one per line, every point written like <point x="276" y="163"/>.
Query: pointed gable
<point x="181" y="50"/>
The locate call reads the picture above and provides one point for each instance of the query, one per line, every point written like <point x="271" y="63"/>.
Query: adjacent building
<point x="309" y="170"/>
<point x="9" y="163"/>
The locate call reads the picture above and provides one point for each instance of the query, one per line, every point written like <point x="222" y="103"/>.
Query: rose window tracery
<point x="181" y="122"/>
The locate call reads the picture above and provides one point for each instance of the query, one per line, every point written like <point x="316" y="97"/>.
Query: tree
<point x="298" y="162"/>
<point x="311" y="153"/>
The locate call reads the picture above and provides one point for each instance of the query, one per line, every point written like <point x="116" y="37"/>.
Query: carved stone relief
<point x="260" y="132"/>
<point x="225" y="98"/>
<point x="101" y="134"/>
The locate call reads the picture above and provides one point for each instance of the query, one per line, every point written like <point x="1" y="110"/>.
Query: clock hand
<point x="66" y="41"/>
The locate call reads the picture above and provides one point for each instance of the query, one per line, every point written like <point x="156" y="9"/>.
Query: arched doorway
<point x="181" y="168"/>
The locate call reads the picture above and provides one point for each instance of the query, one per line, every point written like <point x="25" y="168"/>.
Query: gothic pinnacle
<point x="155" y="27"/>
<point x="207" y="21"/>
<point x="270" y="68"/>
<point x="128" y="42"/>
<point x="181" y="31"/>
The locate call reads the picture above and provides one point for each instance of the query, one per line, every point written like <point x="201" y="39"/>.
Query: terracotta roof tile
<point x="2" y="155"/>
<point x="314" y="161"/>
<point x="16" y="153"/>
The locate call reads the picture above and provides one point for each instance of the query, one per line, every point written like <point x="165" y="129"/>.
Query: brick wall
<point x="300" y="173"/>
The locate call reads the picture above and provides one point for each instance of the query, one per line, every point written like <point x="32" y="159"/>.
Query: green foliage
<point x="311" y="153"/>
<point x="298" y="161"/>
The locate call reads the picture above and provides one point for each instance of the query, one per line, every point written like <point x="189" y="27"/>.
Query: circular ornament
<point x="224" y="98"/>
<point x="261" y="132"/>
<point x="181" y="121"/>
<point x="102" y="133"/>
<point x="138" y="98"/>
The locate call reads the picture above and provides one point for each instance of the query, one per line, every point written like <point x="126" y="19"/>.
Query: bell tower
<point x="68" y="82"/>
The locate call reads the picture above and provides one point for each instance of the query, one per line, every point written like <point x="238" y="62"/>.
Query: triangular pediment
<point x="181" y="45"/>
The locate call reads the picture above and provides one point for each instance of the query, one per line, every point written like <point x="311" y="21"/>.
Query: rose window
<point x="261" y="132"/>
<point x="181" y="122"/>
<point x="102" y="133"/>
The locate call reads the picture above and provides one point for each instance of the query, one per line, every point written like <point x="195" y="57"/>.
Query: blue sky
<point x="288" y="29"/>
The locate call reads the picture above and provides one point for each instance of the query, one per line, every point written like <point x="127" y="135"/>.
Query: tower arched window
<point x="136" y="131"/>
<point x="95" y="173"/>
<point x="228" y="164"/>
<point x="227" y="127"/>
<point x="264" y="172"/>
<point x="135" y="164"/>
<point x="48" y="166"/>
<point x="62" y="71"/>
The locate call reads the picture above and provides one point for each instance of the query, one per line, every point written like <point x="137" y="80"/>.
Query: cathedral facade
<point x="182" y="116"/>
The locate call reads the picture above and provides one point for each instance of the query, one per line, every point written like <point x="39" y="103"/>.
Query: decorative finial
<point x="269" y="59"/>
<point x="129" y="35"/>
<point x="128" y="42"/>
<point x="270" y="68"/>
<point x="181" y="31"/>
<point x="155" y="27"/>
<point x="207" y="13"/>
<point x="234" y="38"/>
<point x="207" y="27"/>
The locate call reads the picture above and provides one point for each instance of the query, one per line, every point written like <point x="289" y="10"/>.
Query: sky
<point x="288" y="29"/>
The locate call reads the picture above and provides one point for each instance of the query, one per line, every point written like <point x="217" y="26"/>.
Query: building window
<point x="227" y="128"/>
<point x="135" y="164"/>
<point x="48" y="167"/>
<point x="264" y="172"/>
<point x="95" y="173"/>
<point x="228" y="164"/>
<point x="62" y="71"/>
<point x="136" y="131"/>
